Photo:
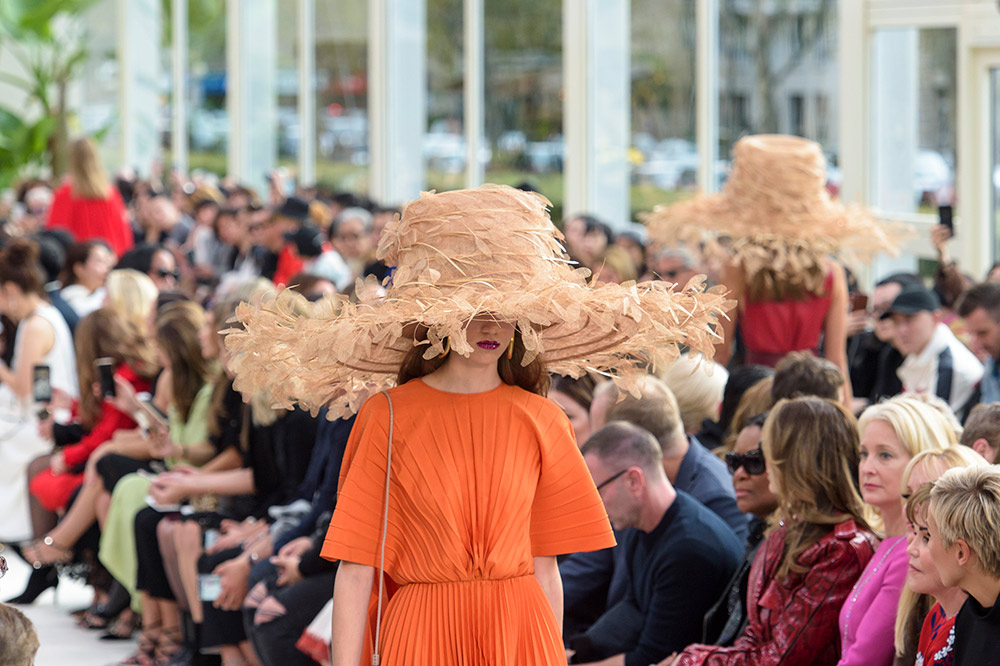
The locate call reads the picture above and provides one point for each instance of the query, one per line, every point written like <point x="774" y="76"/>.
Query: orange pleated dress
<point x="481" y="483"/>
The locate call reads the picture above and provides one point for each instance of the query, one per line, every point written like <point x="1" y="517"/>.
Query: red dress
<point x="772" y="329"/>
<point x="55" y="490"/>
<point x="90" y="219"/>
<point x="793" y="621"/>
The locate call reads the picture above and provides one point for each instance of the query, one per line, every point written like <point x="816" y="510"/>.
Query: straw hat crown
<point x="457" y="255"/>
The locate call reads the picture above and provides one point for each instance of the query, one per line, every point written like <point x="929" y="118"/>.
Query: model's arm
<point x="351" y="593"/>
<point x="835" y="331"/>
<point x="547" y="573"/>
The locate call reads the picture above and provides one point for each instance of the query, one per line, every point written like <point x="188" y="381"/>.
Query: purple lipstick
<point x="488" y="344"/>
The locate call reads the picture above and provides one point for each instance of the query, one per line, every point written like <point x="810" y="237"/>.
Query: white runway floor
<point x="62" y="641"/>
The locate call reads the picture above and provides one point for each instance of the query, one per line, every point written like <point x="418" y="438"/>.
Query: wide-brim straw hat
<point x="491" y="250"/>
<point x="775" y="211"/>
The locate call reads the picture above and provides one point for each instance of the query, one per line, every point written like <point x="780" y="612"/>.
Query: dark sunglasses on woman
<point x="752" y="462"/>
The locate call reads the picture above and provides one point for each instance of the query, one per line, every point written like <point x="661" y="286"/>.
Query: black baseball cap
<point x="294" y="208"/>
<point x="913" y="300"/>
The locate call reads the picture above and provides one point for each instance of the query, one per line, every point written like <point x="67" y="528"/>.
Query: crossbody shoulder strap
<point x="376" y="658"/>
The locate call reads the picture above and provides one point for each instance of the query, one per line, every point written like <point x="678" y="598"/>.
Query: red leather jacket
<point x="794" y="620"/>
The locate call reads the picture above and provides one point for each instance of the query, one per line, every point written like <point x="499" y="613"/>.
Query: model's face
<point x="945" y="559"/>
<point x="579" y="418"/>
<point x="883" y="460"/>
<point x="913" y="332"/>
<point x="985" y="333"/>
<point x="488" y="338"/>
<point x="624" y="509"/>
<point x="882" y="299"/>
<point x="753" y="492"/>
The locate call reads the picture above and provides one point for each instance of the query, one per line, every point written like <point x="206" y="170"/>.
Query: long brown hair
<point x="104" y="333"/>
<point x="532" y="377"/>
<point x="88" y="177"/>
<point x="812" y="450"/>
<point x="177" y="334"/>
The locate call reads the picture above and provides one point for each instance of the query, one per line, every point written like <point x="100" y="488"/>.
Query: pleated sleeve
<point x="355" y="530"/>
<point x="567" y="514"/>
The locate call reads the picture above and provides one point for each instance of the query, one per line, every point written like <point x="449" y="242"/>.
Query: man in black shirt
<point x="965" y="512"/>
<point x="679" y="554"/>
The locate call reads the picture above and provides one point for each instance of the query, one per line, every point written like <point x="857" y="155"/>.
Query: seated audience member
<point x="289" y="219"/>
<point x="892" y="433"/>
<point x="698" y="386"/>
<point x="86" y="270"/>
<point x="725" y="621"/>
<point x="961" y="527"/>
<point x="674" y="264"/>
<point x="806" y="566"/>
<point x="982" y="432"/>
<point x="801" y="373"/>
<point x="633" y="239"/>
<point x="679" y="556"/>
<point x="615" y="266"/>
<point x="574" y="397"/>
<point x="18" y="640"/>
<point x="52" y="257"/>
<point x="689" y="465"/>
<point x="155" y="261"/>
<point x="876" y="359"/>
<point x="980" y="308"/>
<point x="350" y="235"/>
<point x="713" y="433"/>
<point x="935" y="361"/>
<point x="927" y="607"/>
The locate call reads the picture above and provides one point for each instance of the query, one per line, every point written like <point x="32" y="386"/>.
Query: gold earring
<point x="510" y="348"/>
<point x="447" y="347"/>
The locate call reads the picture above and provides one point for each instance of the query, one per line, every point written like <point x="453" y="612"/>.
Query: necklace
<point x="861" y="585"/>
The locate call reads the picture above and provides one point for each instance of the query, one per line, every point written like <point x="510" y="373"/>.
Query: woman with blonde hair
<point x="87" y="205"/>
<point x="892" y="433"/>
<point x="925" y="620"/>
<point x="814" y="553"/>
<point x="132" y="294"/>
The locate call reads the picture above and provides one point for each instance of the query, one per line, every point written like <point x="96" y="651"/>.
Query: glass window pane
<point x="914" y="125"/>
<point x="778" y="74"/>
<point x="288" y="132"/>
<point x="208" y="120"/>
<point x="664" y="155"/>
<point x="342" y="95"/>
<point x="524" y="95"/>
<point x="444" y="142"/>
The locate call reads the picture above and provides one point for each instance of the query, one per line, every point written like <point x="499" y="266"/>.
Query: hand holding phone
<point x="106" y="375"/>
<point x="41" y="384"/>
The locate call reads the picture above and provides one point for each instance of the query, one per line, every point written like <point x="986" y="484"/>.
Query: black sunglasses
<point x="752" y="462"/>
<point x="164" y="274"/>
<point x="609" y="480"/>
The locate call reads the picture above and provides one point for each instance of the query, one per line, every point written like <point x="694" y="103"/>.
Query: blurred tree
<point x="46" y="40"/>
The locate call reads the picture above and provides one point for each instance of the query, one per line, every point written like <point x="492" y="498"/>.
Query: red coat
<point x="87" y="219"/>
<point x="794" y="621"/>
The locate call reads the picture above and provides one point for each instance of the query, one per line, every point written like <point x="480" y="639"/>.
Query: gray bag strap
<point x="376" y="658"/>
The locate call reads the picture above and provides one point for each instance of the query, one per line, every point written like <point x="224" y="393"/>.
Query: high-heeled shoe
<point x="40" y="580"/>
<point x="34" y="555"/>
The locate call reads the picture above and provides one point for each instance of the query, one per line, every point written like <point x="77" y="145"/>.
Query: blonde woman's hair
<point x="698" y="386"/>
<point x="965" y="504"/>
<point x="132" y="294"/>
<point x="811" y="446"/>
<point x="913" y="606"/>
<point x="942" y="408"/>
<point x="88" y="177"/>
<point x="18" y="640"/>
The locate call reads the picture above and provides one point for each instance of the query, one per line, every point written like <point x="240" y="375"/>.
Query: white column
<point x="707" y="91"/>
<point x="895" y="105"/>
<point x="140" y="26"/>
<point x="473" y="94"/>
<point x="179" y="66"/>
<point x="307" y="92"/>
<point x="251" y="94"/>
<point x="596" y="108"/>
<point x="397" y="98"/>
<point x="853" y="100"/>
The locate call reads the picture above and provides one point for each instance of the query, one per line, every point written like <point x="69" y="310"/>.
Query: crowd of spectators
<point x="813" y="508"/>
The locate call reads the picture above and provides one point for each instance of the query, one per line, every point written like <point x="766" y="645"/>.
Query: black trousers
<point x="151" y="577"/>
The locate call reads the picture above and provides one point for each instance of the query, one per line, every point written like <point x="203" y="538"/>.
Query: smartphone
<point x="41" y="385"/>
<point x="209" y="586"/>
<point x="946" y="218"/>
<point x="154" y="413"/>
<point x="106" y="374"/>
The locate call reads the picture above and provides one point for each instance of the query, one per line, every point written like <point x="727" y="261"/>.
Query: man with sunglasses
<point x="678" y="554"/>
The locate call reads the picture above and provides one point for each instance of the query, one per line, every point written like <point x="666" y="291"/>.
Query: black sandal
<point x="123" y="626"/>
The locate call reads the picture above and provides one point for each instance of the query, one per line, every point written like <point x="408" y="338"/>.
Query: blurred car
<point x="671" y="164"/>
